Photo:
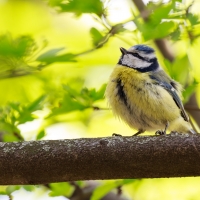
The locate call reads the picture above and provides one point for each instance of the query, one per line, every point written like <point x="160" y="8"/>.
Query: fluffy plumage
<point x="143" y="95"/>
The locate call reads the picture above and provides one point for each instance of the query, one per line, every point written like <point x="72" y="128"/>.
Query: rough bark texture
<point x="40" y="162"/>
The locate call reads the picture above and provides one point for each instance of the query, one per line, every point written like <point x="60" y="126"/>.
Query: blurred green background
<point x="55" y="59"/>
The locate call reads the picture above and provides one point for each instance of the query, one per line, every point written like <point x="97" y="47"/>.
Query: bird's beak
<point x="124" y="51"/>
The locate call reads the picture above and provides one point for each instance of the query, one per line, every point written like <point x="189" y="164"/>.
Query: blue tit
<point x="144" y="96"/>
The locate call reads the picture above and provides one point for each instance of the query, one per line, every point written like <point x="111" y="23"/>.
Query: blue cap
<point x="144" y="48"/>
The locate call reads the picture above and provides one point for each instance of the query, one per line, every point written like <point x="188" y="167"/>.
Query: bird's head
<point x="139" y="57"/>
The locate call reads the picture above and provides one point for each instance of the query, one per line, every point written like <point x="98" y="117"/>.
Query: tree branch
<point x="40" y="162"/>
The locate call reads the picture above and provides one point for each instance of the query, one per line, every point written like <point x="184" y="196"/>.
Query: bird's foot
<point x="139" y="132"/>
<point x="174" y="133"/>
<point x="160" y="132"/>
<point x="116" y="135"/>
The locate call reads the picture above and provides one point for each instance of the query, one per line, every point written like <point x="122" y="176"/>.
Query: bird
<point x="144" y="96"/>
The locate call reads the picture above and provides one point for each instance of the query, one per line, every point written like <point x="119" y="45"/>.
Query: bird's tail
<point x="191" y="131"/>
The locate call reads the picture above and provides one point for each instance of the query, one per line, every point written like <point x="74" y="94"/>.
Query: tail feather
<point x="191" y="131"/>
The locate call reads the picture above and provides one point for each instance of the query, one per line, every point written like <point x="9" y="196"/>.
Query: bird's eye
<point x="135" y="54"/>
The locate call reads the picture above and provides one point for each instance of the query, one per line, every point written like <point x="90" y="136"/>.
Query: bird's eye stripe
<point x="138" y="56"/>
<point x="135" y="54"/>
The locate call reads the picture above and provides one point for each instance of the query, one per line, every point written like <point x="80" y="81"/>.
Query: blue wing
<point x="172" y="92"/>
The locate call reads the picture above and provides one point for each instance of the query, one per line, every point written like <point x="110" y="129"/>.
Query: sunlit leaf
<point x="96" y="36"/>
<point x="14" y="114"/>
<point x="194" y="19"/>
<point x="37" y="104"/>
<point x="61" y="189"/>
<point x="2" y="192"/>
<point x="26" y="113"/>
<point x="50" y="53"/>
<point x="160" y="13"/>
<point x="79" y="7"/>
<point x="11" y="189"/>
<point x="13" y="136"/>
<point x="189" y="90"/>
<point x="160" y="31"/>
<point x="52" y="56"/>
<point x="105" y="188"/>
<point x="74" y="99"/>
<point x="168" y="66"/>
<point x="29" y="188"/>
<point x="40" y="135"/>
<point x="19" y="47"/>
<point x="117" y="29"/>
<point x="175" y="35"/>
<point x="180" y="69"/>
<point x="9" y="131"/>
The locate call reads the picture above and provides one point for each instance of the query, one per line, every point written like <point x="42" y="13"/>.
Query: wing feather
<point x="172" y="91"/>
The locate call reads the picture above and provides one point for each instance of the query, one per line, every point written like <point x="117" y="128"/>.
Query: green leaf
<point x="61" y="189"/>
<point x="176" y="35"/>
<point x="17" y="56"/>
<point x="75" y="99"/>
<point x="3" y="193"/>
<point x="50" y="53"/>
<point x="11" y="189"/>
<point x="157" y="26"/>
<point x="168" y="66"/>
<point x="105" y="188"/>
<point x="19" y="47"/>
<point x="9" y="132"/>
<point x="189" y="90"/>
<point x="67" y="105"/>
<point x="26" y="113"/>
<point x="161" y="12"/>
<point x="97" y="95"/>
<point x="37" y="104"/>
<point x="41" y="134"/>
<point x="180" y="69"/>
<point x="51" y="56"/>
<point x="96" y="36"/>
<point x="160" y="31"/>
<point x="12" y="137"/>
<point x="29" y="188"/>
<point x="79" y="6"/>
<point x="117" y="29"/>
<point x="14" y="114"/>
<point x="194" y="19"/>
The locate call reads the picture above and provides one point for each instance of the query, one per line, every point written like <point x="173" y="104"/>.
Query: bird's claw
<point x="174" y="133"/>
<point x="160" y="132"/>
<point x="116" y="135"/>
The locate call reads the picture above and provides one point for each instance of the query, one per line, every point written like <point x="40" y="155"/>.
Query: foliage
<point x="64" y="189"/>
<point x="78" y="99"/>
<point x="105" y="188"/>
<point x="15" y="114"/>
<point x="41" y="68"/>
<point x="79" y="7"/>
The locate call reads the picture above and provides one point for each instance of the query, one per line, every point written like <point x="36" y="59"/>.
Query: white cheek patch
<point x="134" y="62"/>
<point x="150" y="55"/>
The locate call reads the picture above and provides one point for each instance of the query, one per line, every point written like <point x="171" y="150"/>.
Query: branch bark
<point x="40" y="162"/>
